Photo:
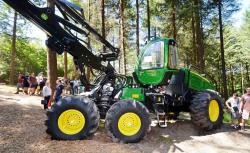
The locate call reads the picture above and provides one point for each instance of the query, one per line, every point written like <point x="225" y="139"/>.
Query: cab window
<point x="173" y="56"/>
<point x="153" y="56"/>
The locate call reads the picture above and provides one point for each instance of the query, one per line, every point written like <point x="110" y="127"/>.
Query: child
<point x="46" y="94"/>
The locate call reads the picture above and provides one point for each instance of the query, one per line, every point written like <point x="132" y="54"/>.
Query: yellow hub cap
<point x="214" y="110"/>
<point x="71" y="122"/>
<point x="129" y="124"/>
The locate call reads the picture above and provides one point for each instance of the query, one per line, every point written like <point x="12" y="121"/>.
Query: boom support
<point x="60" y="33"/>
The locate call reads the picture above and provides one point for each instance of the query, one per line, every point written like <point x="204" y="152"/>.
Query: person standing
<point x="233" y="104"/>
<point x="75" y="86"/>
<point x="46" y="94"/>
<point x="58" y="92"/>
<point x="67" y="87"/>
<point x="71" y="83"/>
<point x="33" y="84"/>
<point x="19" y="83"/>
<point x="245" y="107"/>
<point x="41" y="83"/>
<point x="25" y="84"/>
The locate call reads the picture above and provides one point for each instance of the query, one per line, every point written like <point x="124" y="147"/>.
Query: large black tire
<point x="84" y="106"/>
<point x="120" y="108"/>
<point x="199" y="110"/>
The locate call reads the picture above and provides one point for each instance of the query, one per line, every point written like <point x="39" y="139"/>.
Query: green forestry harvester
<point x="158" y="86"/>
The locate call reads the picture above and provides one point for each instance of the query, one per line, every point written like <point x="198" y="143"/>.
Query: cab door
<point x="151" y="68"/>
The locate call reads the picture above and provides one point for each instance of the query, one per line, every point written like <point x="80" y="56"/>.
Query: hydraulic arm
<point x="62" y="33"/>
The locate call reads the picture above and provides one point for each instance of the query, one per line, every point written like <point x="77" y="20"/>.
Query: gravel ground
<point x="22" y="129"/>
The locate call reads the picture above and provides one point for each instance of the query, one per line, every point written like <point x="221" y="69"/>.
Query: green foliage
<point x="227" y="117"/>
<point x="31" y="57"/>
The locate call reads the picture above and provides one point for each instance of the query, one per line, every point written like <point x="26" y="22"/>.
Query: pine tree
<point x="148" y="19"/>
<point x="65" y="57"/>
<point x="122" y="39"/>
<point x="137" y="28"/>
<point x="224" y="76"/>
<point x="199" y="34"/>
<point x="103" y="21"/>
<point x="51" y="59"/>
<point x="13" y="51"/>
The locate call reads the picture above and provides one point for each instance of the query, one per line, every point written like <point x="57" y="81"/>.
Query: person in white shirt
<point x="41" y="83"/>
<point x="46" y="94"/>
<point x="233" y="104"/>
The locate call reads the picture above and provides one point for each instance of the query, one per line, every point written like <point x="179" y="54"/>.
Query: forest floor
<point x="22" y="129"/>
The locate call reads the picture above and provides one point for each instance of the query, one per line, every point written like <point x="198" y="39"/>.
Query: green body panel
<point x="199" y="83"/>
<point x="133" y="93"/>
<point x="153" y="77"/>
<point x="195" y="81"/>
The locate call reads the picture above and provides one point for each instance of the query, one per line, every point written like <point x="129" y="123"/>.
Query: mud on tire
<point x="199" y="110"/>
<point x="80" y="104"/>
<point x="116" y="112"/>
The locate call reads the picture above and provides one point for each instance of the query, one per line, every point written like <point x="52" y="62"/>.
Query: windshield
<point x="153" y="56"/>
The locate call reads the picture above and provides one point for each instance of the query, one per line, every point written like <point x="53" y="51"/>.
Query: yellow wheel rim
<point x="71" y="122"/>
<point x="129" y="124"/>
<point x="214" y="110"/>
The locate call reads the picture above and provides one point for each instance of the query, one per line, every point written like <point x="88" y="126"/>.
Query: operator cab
<point x="157" y="58"/>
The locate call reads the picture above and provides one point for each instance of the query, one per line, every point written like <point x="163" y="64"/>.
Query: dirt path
<point x="22" y="130"/>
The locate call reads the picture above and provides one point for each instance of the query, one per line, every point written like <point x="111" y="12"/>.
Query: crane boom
<point x="60" y="33"/>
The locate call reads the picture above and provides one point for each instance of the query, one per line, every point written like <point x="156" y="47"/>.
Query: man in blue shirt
<point x="58" y="92"/>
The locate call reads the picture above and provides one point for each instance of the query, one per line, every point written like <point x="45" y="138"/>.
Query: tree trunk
<point x="219" y="77"/>
<point x="174" y="19"/>
<point x="202" y="50"/>
<point x="88" y="75"/>
<point x="52" y="60"/>
<point x="248" y="77"/>
<point x="242" y="78"/>
<point x="103" y="22"/>
<point x="199" y="33"/>
<point x="137" y="28"/>
<point x="148" y="21"/>
<point x="232" y="78"/>
<point x="223" y="64"/>
<point x="65" y="65"/>
<point x="122" y="41"/>
<point x="52" y="68"/>
<point x="13" y="52"/>
<point x="121" y="54"/>
<point x="194" y="40"/>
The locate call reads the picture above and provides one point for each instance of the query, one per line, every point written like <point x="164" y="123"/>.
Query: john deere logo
<point x="44" y="16"/>
<point x="135" y="96"/>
